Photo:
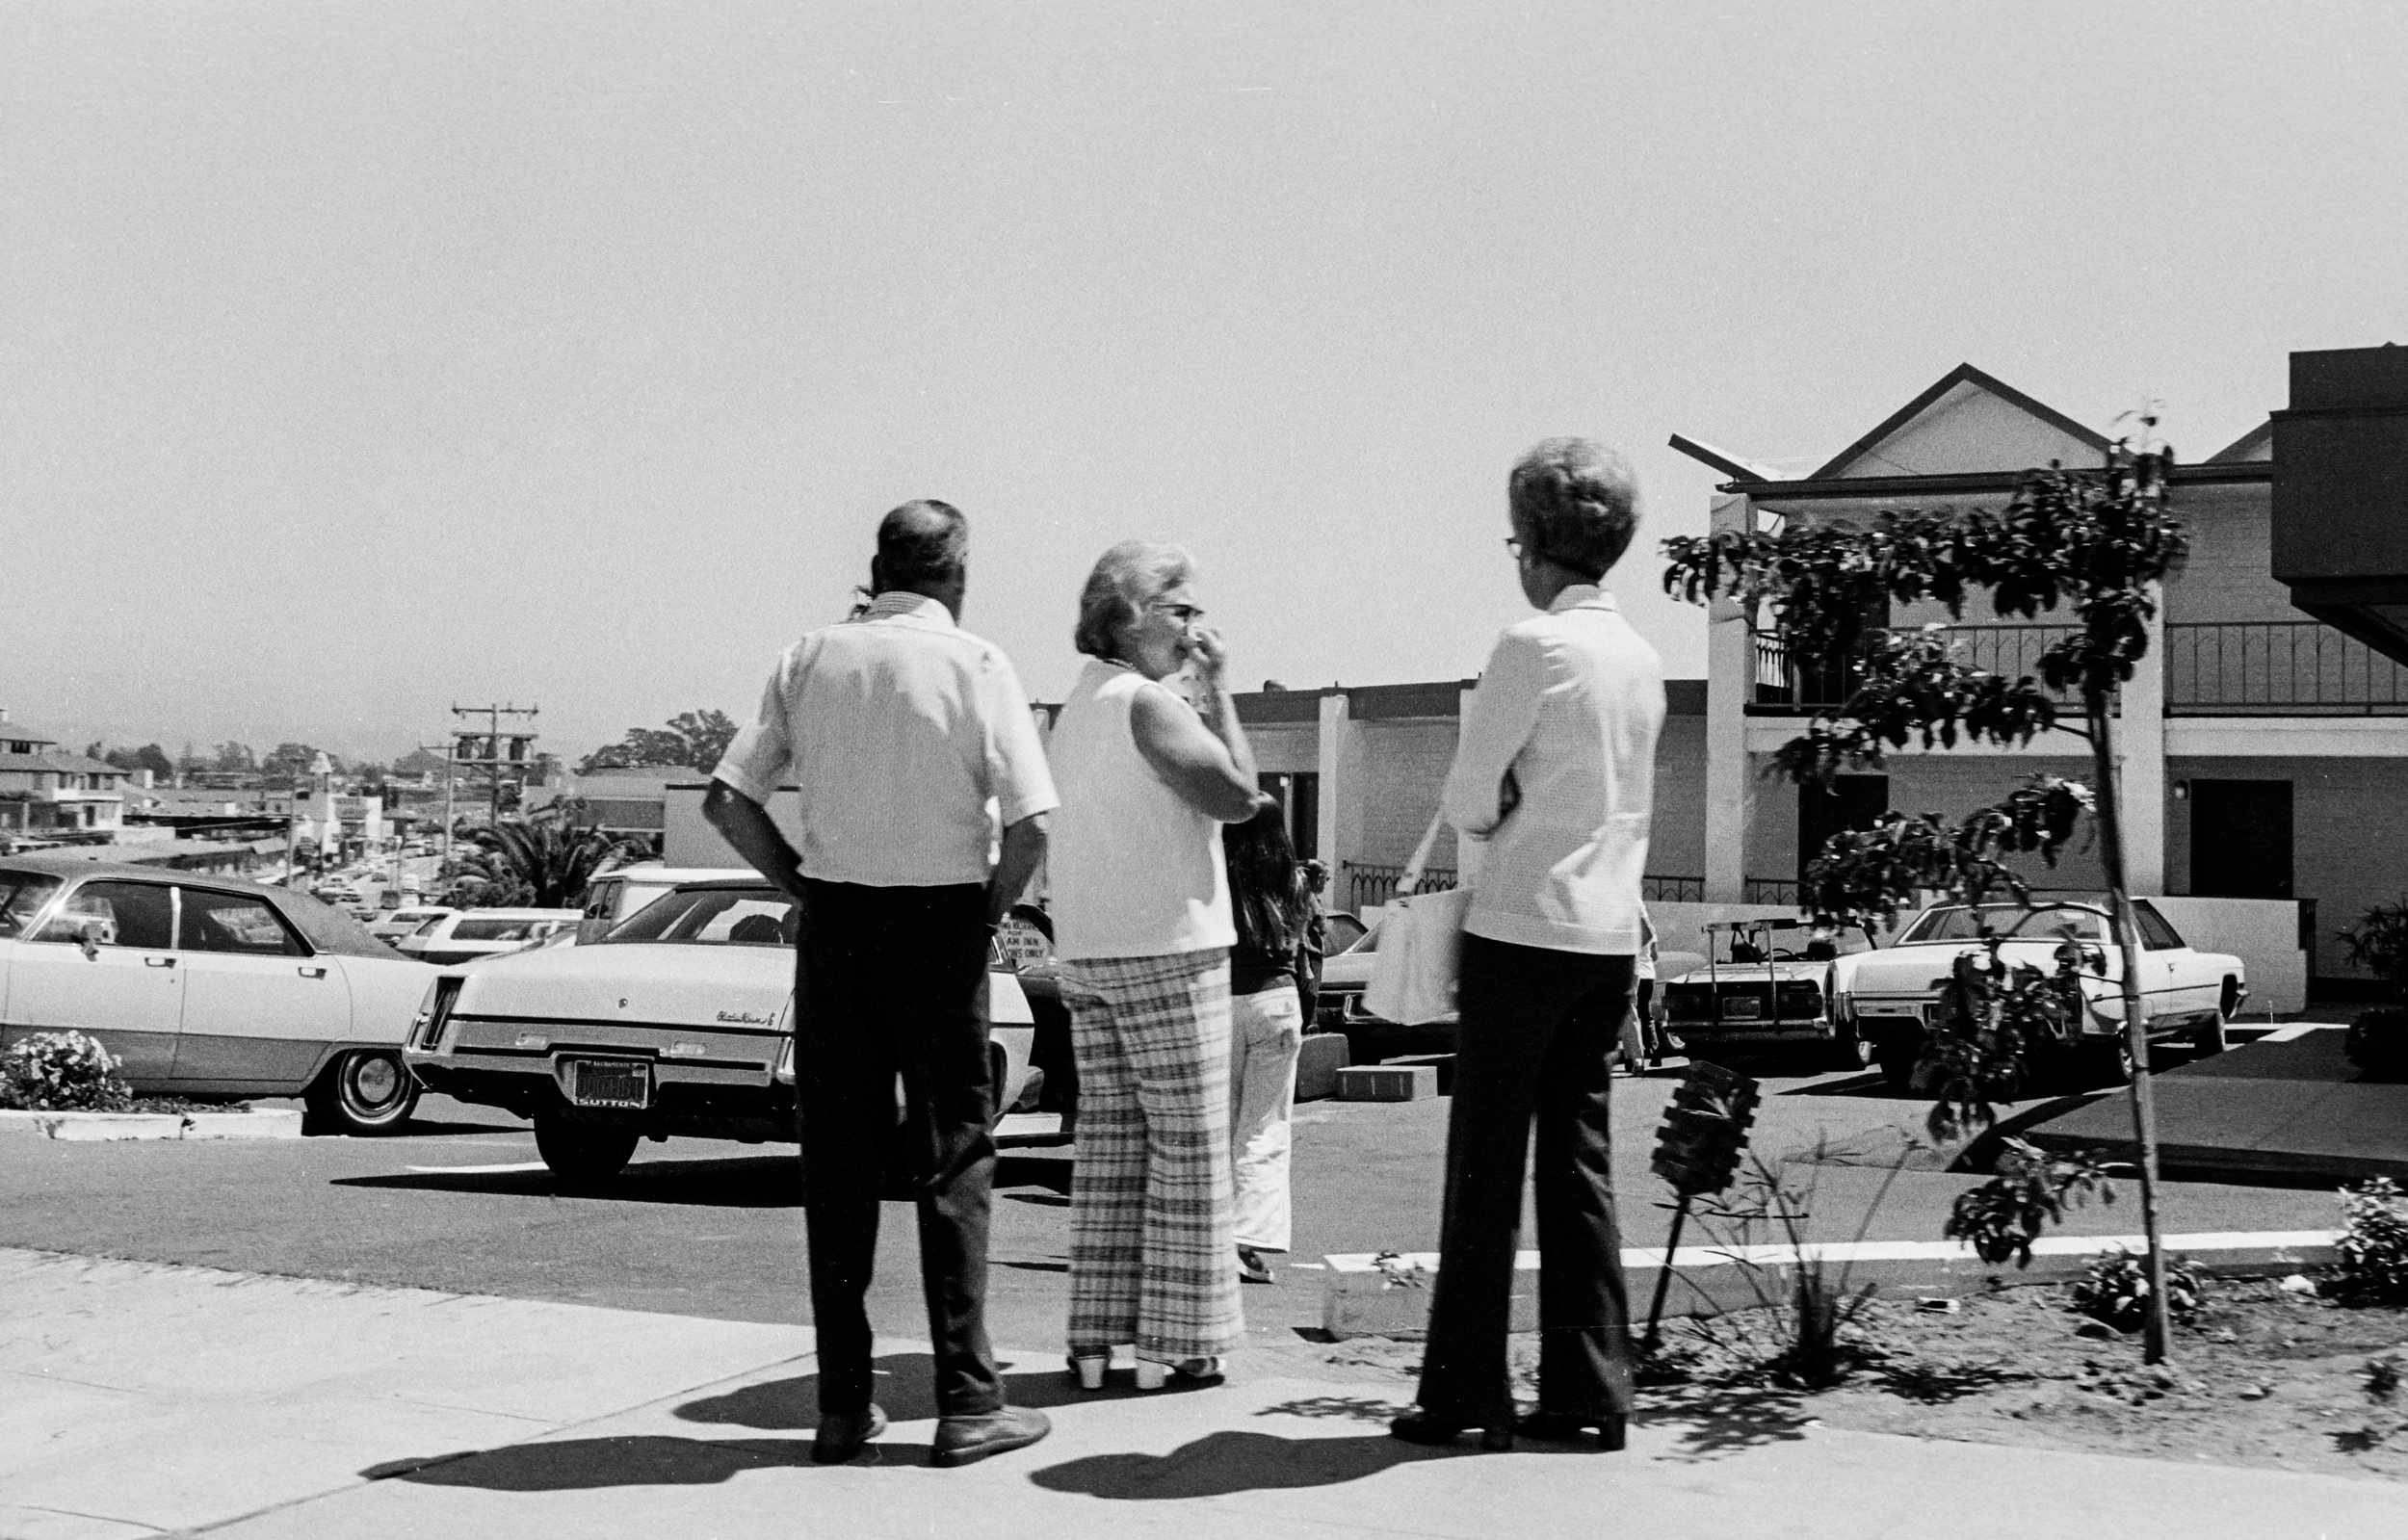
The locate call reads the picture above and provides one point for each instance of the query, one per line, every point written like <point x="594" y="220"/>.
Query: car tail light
<point x="784" y="1073"/>
<point x="435" y="1013"/>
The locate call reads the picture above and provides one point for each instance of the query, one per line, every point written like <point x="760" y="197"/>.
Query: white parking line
<point x="479" y="1170"/>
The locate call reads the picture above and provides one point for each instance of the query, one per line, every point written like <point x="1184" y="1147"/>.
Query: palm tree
<point x="544" y="861"/>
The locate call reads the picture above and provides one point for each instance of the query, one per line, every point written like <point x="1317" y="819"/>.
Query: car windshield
<point x="22" y="893"/>
<point x="1958" y="923"/>
<point x="713" y="917"/>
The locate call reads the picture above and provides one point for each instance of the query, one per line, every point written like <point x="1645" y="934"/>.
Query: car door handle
<point x="157" y="962"/>
<point x="311" y="973"/>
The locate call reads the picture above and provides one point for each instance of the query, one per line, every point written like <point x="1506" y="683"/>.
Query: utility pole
<point x="489" y="755"/>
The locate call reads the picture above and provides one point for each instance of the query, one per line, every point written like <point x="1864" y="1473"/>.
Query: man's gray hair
<point x="1579" y="501"/>
<point x="1127" y="578"/>
<point x="922" y="541"/>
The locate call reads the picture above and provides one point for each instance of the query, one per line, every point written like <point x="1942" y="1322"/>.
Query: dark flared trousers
<point x="1538" y="1025"/>
<point x="892" y="982"/>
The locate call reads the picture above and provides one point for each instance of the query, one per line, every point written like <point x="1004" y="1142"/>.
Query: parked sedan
<point x="471" y="935"/>
<point x="678" y="1021"/>
<point x="210" y="986"/>
<point x="2188" y="996"/>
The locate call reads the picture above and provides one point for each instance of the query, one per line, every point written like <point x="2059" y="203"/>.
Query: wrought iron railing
<point x="1768" y="890"/>
<point x="1370" y="885"/>
<point x="2302" y="668"/>
<point x="2010" y="648"/>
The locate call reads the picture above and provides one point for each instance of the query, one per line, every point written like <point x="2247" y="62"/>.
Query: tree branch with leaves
<point x="2092" y="544"/>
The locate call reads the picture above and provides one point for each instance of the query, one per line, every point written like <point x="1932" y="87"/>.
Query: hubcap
<point x="376" y="1080"/>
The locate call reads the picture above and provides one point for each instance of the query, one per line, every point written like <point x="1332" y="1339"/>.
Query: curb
<point x="111" y="1128"/>
<point x="1363" y="1298"/>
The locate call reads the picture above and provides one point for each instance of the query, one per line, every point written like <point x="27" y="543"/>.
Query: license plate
<point x="1908" y="1009"/>
<point x="1743" y="1010"/>
<point x="610" y="1082"/>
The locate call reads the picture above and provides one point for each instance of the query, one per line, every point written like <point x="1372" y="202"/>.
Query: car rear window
<point x="713" y="917"/>
<point x="494" y="929"/>
<point x="22" y="893"/>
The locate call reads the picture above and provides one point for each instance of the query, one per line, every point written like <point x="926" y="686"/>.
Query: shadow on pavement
<point x="904" y="1382"/>
<point x="738" y="1182"/>
<point x="1218" y="1464"/>
<point x="1719" y="1421"/>
<point x="576" y="1464"/>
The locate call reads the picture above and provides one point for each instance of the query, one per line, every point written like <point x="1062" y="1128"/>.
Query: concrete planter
<point x="1362" y="1298"/>
<point x="96" y="1128"/>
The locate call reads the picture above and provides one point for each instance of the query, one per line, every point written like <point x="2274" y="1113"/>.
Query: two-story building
<point x="46" y="793"/>
<point x="2262" y="743"/>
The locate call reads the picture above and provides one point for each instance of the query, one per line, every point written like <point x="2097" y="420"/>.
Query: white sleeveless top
<point x="1134" y="870"/>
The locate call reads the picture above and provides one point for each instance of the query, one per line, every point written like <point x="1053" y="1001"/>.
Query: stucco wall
<point x="2349" y="841"/>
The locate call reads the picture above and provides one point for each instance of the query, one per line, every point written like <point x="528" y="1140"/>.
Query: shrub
<point x="2117" y="1290"/>
<point x="2371" y="1256"/>
<point x="62" y="1072"/>
<point x="2377" y="1040"/>
<point x="2000" y="1218"/>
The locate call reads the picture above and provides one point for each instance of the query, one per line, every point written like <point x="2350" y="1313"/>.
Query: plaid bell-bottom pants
<point x="1153" y="1252"/>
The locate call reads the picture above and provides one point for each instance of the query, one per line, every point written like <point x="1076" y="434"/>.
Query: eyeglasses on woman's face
<point x="1186" y="614"/>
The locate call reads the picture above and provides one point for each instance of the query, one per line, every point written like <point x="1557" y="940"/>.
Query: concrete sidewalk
<point x="139" y="1400"/>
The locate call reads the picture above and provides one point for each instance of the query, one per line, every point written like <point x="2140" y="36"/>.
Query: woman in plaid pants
<point x="1142" y="930"/>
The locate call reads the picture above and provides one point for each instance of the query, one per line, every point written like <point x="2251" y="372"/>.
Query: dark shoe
<point x="841" y="1434"/>
<point x="1420" y="1427"/>
<point x="960" y="1440"/>
<point x="1252" y="1268"/>
<point x="1570" y="1427"/>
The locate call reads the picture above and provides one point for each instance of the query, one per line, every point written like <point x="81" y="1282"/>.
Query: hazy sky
<point x="355" y="360"/>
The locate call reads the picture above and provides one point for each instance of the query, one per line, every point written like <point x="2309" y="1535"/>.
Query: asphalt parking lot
<point x="702" y="1228"/>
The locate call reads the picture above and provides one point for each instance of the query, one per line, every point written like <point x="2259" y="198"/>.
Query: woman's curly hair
<point x="1579" y="501"/>
<point x="1127" y="578"/>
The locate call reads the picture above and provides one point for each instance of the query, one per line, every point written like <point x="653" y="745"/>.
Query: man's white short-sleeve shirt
<point x="910" y="741"/>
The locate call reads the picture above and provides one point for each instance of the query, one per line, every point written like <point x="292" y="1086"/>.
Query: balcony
<point x="2212" y="668"/>
<point x="1785" y="687"/>
<point x="2278" y="668"/>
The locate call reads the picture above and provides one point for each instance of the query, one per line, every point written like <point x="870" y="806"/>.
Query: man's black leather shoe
<point x="960" y="1440"/>
<point x="841" y="1434"/>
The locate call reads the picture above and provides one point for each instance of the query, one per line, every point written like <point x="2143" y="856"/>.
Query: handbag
<point x="1420" y="948"/>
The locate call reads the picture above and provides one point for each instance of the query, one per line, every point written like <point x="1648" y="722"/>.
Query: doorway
<point x="2241" y="839"/>
<point x="1853" y="802"/>
<point x="1300" y="799"/>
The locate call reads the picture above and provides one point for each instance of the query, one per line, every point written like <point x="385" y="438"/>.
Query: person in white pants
<point x="1271" y="907"/>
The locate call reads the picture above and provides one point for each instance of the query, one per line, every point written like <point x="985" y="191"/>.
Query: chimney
<point x="143" y="778"/>
<point x="4" y="713"/>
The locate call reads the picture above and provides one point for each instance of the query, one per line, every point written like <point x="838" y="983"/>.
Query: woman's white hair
<point x="1127" y="578"/>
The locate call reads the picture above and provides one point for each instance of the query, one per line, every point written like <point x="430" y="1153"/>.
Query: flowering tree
<point x="2094" y="542"/>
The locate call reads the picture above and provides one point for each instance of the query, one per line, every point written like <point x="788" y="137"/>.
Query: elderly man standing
<point x="911" y="742"/>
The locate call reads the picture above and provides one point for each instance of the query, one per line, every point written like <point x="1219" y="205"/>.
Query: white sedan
<point x="209" y="986"/>
<point x="2187" y="995"/>
<point x="678" y="1021"/>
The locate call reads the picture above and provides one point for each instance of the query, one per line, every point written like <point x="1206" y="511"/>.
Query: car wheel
<point x="2109" y="1060"/>
<point x="578" y="1154"/>
<point x="2210" y="1038"/>
<point x="1848" y="1049"/>
<point x="365" y="1093"/>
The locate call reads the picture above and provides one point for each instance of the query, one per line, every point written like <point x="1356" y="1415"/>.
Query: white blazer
<point x="1566" y="713"/>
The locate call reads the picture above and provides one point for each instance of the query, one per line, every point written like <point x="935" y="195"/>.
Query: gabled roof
<point x="2256" y="444"/>
<point x="1723" y="460"/>
<point x="1966" y="421"/>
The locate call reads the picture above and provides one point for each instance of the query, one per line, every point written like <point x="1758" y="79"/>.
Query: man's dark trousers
<point x="893" y="981"/>
<point x="1538" y="1025"/>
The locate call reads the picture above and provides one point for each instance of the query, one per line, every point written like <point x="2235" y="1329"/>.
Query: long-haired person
<point x="1272" y="906"/>
<point x="1555" y="776"/>
<point x="1142" y="931"/>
